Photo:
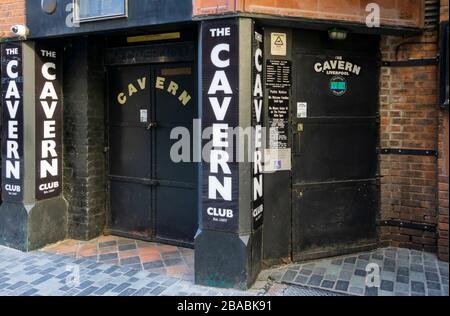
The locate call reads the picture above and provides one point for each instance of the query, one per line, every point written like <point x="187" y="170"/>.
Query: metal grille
<point x="432" y="10"/>
<point x="307" y="291"/>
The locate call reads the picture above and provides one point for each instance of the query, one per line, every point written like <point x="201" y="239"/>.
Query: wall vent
<point x="432" y="14"/>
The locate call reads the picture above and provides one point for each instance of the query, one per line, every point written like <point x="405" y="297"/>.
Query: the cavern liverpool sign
<point x="221" y="116"/>
<point x="48" y="122"/>
<point x="338" y="70"/>
<point x="12" y="134"/>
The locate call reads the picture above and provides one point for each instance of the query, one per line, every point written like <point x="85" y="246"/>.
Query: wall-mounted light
<point x="337" y="34"/>
<point x="48" y="6"/>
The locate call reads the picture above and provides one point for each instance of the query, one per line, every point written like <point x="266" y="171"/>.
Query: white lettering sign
<point x="337" y="67"/>
<point x="12" y="123"/>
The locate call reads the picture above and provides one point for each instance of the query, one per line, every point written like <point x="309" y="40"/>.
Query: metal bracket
<point x="145" y="181"/>
<point x="412" y="62"/>
<point x="408" y="152"/>
<point x="405" y="224"/>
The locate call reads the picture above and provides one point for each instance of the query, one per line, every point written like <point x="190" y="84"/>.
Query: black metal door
<point x="176" y="194"/>
<point x="335" y="138"/>
<point x="151" y="196"/>
<point x="130" y="151"/>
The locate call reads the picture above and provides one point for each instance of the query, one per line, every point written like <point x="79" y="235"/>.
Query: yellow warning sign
<point x="279" y="44"/>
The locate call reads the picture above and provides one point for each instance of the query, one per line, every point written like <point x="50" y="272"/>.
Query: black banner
<point x="221" y="116"/>
<point x="257" y="124"/>
<point x="12" y="131"/>
<point x="48" y="122"/>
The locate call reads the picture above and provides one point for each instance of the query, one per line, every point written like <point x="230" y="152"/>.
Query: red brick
<point x="11" y="12"/>
<point x="411" y="119"/>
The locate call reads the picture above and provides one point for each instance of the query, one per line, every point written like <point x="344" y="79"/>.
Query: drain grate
<point x="307" y="291"/>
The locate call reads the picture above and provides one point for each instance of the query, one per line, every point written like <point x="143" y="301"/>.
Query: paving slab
<point x="383" y="272"/>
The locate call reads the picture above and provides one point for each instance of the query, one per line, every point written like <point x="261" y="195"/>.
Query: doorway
<point x="335" y="140"/>
<point x="151" y="196"/>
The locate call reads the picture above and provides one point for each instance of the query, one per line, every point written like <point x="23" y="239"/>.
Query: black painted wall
<point x="84" y="137"/>
<point x="277" y="231"/>
<point x="140" y="13"/>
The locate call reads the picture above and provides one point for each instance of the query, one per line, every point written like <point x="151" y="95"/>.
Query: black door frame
<point x="179" y="52"/>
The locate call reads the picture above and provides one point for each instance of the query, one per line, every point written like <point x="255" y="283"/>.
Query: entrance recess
<point x="151" y="196"/>
<point x="335" y="139"/>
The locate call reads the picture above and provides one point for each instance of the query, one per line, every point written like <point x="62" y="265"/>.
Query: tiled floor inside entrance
<point x="140" y="255"/>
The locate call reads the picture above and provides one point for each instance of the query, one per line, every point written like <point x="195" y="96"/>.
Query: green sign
<point x="338" y="86"/>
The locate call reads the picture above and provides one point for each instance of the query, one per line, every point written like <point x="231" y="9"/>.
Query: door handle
<point x="296" y="138"/>
<point x="152" y="125"/>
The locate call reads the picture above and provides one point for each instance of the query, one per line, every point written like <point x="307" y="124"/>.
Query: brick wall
<point x="409" y="120"/>
<point x="406" y="13"/>
<point x="444" y="10"/>
<point x="207" y="7"/>
<point x="11" y="12"/>
<point x="443" y="167"/>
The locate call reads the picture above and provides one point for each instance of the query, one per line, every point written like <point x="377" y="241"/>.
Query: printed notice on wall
<point x="277" y="160"/>
<point x="278" y="44"/>
<point x="278" y="82"/>
<point x="48" y="122"/>
<point x="302" y="110"/>
<point x="12" y="133"/>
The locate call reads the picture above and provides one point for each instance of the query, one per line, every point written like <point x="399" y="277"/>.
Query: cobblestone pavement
<point x="402" y="273"/>
<point x="140" y="255"/>
<point x="49" y="274"/>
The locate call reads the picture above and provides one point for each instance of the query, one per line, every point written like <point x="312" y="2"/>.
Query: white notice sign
<point x="144" y="116"/>
<point x="278" y="44"/>
<point x="277" y="160"/>
<point x="302" y="110"/>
